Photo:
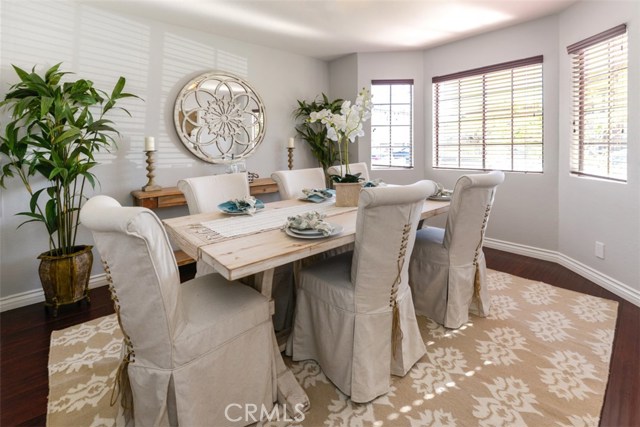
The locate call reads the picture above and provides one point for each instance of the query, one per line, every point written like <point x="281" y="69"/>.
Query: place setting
<point x="441" y="194"/>
<point x="317" y="195"/>
<point x="310" y="225"/>
<point x="246" y="206"/>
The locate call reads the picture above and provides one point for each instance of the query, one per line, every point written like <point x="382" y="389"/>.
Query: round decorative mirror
<point x="219" y="117"/>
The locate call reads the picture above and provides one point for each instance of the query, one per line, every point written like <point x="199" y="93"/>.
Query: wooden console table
<point x="170" y="196"/>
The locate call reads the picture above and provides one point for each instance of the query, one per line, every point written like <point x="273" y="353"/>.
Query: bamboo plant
<point x="56" y="128"/>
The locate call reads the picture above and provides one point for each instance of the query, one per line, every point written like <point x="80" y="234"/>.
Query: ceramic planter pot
<point x="65" y="278"/>
<point x="347" y="193"/>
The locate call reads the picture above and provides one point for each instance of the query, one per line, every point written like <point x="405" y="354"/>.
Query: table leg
<point x="289" y="392"/>
<point x="264" y="284"/>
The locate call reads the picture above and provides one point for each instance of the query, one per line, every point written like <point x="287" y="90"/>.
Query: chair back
<point x="138" y="258"/>
<point x="354" y="168"/>
<point x="292" y="182"/>
<point x="385" y="233"/>
<point x="468" y="215"/>
<point x="205" y="193"/>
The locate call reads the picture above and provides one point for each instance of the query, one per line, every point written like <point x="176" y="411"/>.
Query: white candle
<point x="149" y="144"/>
<point x="291" y="142"/>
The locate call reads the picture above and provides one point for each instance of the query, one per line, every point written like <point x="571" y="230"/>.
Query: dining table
<point x="238" y="246"/>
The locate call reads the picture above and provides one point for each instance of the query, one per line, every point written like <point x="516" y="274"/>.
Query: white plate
<point x="230" y="208"/>
<point x="307" y="232"/>
<point x="336" y="230"/>
<point x="440" y="198"/>
<point x="317" y="198"/>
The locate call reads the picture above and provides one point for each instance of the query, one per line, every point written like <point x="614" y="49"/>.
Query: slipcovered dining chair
<point x="447" y="273"/>
<point x="292" y="182"/>
<point x="354" y="312"/>
<point x="192" y="349"/>
<point x="354" y="168"/>
<point x="203" y="195"/>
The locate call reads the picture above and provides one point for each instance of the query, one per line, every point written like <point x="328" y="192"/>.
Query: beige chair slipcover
<point x="194" y="348"/>
<point x="354" y="168"/>
<point x="292" y="182"/>
<point x="354" y="312"/>
<point x="448" y="270"/>
<point x="203" y="195"/>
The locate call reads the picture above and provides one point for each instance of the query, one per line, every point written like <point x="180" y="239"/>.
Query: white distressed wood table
<point x="240" y="246"/>
<point x="260" y="245"/>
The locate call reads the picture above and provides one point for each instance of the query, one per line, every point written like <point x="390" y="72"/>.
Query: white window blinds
<point x="599" y="76"/>
<point x="490" y="117"/>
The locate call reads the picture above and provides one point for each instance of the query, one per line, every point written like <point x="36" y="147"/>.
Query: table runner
<point x="267" y="219"/>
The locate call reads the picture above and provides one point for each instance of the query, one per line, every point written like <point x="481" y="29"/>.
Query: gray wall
<point x="593" y="209"/>
<point x="526" y="206"/>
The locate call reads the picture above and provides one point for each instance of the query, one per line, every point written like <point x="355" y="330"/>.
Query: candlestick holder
<point x="151" y="185"/>
<point x="290" y="150"/>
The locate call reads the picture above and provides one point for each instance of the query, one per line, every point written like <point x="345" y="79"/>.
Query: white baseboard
<point x="36" y="296"/>
<point x="600" y="279"/>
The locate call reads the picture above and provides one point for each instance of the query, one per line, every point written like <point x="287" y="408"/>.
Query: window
<point x="599" y="75"/>
<point x="392" y="124"/>
<point x="490" y="117"/>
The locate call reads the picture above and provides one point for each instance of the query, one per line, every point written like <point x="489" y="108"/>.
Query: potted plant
<point x="344" y="127"/>
<point x="314" y="133"/>
<point x="55" y="129"/>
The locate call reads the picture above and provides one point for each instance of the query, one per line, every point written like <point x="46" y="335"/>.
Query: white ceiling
<point x="327" y="29"/>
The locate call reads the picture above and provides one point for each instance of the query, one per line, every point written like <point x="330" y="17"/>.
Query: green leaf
<point x="33" y="203"/>
<point x="23" y="75"/>
<point x="45" y="103"/>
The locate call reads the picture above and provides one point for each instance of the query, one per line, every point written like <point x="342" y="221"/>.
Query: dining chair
<point x="292" y="182"/>
<point x="203" y="195"/>
<point x="354" y="168"/>
<point x="192" y="349"/>
<point x="447" y="273"/>
<point x="354" y="312"/>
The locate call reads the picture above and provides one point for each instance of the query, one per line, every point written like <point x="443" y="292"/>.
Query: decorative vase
<point x="347" y="193"/>
<point x="65" y="278"/>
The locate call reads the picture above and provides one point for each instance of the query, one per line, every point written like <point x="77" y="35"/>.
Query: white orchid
<point x="348" y="125"/>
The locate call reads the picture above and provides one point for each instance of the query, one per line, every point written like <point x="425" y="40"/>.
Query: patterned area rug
<point x="541" y="358"/>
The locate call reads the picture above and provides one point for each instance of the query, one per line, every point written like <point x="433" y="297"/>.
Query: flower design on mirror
<point x="219" y="118"/>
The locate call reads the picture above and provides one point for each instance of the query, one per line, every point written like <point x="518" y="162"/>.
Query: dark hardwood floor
<point x="24" y="345"/>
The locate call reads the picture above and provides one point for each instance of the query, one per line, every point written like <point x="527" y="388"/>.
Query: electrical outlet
<point x="600" y="250"/>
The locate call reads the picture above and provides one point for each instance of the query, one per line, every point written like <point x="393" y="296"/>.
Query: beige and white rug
<point x="541" y="358"/>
